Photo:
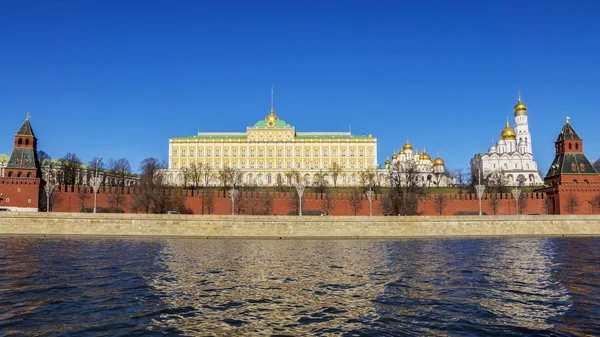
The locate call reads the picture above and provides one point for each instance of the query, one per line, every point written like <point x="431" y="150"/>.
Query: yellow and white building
<point x="265" y="152"/>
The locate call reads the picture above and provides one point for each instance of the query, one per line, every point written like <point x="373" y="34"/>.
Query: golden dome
<point x="425" y="156"/>
<point x="520" y="108"/>
<point x="508" y="133"/>
<point x="407" y="146"/>
<point x="394" y="157"/>
<point x="438" y="161"/>
<point x="387" y="161"/>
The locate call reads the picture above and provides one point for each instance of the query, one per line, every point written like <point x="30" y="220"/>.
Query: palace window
<point x="361" y="152"/>
<point x="175" y="153"/>
<point x="289" y="164"/>
<point x="370" y="152"/>
<point x="279" y="152"/>
<point x="226" y="153"/>
<point x="297" y="152"/>
<point x="351" y="164"/>
<point x="307" y="152"/>
<point x="261" y="152"/>
<point x="324" y="152"/>
<point x="234" y="152"/>
<point x="252" y="165"/>
<point x="217" y="165"/>
<point x="243" y="164"/>
<point x="298" y="165"/>
<point x="269" y="179"/>
<point x="183" y="166"/>
<point x="362" y="165"/>
<point x="325" y="165"/>
<point x="217" y="152"/>
<point x="279" y="164"/>
<point x="316" y="151"/>
<point x="351" y="152"/>
<point x="343" y="152"/>
<point x="234" y="164"/>
<point x="307" y="165"/>
<point x="243" y="152"/>
<point x="208" y="152"/>
<point x="192" y="153"/>
<point x="316" y="165"/>
<point x="251" y="152"/>
<point x="183" y="153"/>
<point x="288" y="152"/>
<point x="261" y="164"/>
<point x="343" y="164"/>
<point x="270" y="165"/>
<point x="334" y="152"/>
<point x="199" y="152"/>
<point x="270" y="152"/>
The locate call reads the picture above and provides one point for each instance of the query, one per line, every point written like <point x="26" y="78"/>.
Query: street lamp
<point x="49" y="188"/>
<point x="516" y="194"/>
<point x="480" y="189"/>
<point x="300" y="190"/>
<point x="96" y="181"/>
<point x="233" y="193"/>
<point x="369" y="194"/>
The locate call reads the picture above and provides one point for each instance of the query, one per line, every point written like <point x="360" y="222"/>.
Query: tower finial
<point x="519" y="96"/>
<point x="507" y="121"/>
<point x="28" y="116"/>
<point x="568" y="119"/>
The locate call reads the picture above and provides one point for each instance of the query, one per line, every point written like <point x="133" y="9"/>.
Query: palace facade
<point x="511" y="158"/>
<point x="266" y="153"/>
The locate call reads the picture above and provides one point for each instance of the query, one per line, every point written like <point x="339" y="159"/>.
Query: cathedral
<point x="431" y="172"/>
<point x="511" y="158"/>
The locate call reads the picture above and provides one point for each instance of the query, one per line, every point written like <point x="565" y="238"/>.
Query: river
<point x="197" y="287"/>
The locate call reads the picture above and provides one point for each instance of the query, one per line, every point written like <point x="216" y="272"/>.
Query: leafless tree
<point x="334" y="171"/>
<point x="229" y="177"/>
<point x="267" y="202"/>
<point x="355" y="199"/>
<point x="152" y="192"/>
<point x="120" y="169"/>
<point x="83" y="196"/>
<point x="117" y="198"/>
<point x="494" y="202"/>
<point x="328" y="203"/>
<point x="320" y="184"/>
<point x="404" y="192"/>
<point x="596" y="203"/>
<point x="44" y="160"/>
<point x="208" y="202"/>
<point x="368" y="178"/>
<point x="547" y="206"/>
<point x="523" y="201"/>
<point x="70" y="166"/>
<point x="208" y="170"/>
<point x="440" y="201"/>
<point x="292" y="177"/>
<point x="460" y="176"/>
<point x="194" y="175"/>
<point x="573" y="203"/>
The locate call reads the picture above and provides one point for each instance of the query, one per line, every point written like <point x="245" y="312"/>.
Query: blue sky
<point x="119" y="78"/>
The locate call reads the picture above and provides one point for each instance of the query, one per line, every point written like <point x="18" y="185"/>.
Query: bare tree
<point x="117" y="198"/>
<point x="597" y="165"/>
<point x="44" y="160"/>
<point x="494" y="202"/>
<point x="459" y="175"/>
<point x="194" y="175"/>
<point x="267" y="202"/>
<point x="120" y="169"/>
<point x="547" y="206"/>
<point x="572" y="203"/>
<point x="368" y="178"/>
<point x="208" y="202"/>
<point x="152" y="194"/>
<point x="229" y="177"/>
<point x="320" y="184"/>
<point x="355" y="199"/>
<point x="334" y="171"/>
<point x="70" y="166"/>
<point x="595" y="202"/>
<point x="82" y="196"/>
<point x="293" y="177"/>
<point x="440" y="201"/>
<point x="328" y="203"/>
<point x="208" y="170"/>
<point x="523" y="201"/>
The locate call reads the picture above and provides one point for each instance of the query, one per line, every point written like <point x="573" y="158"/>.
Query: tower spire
<point x="272" y="101"/>
<point x="519" y="96"/>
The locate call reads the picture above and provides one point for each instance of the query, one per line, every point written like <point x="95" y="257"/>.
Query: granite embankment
<point x="294" y="227"/>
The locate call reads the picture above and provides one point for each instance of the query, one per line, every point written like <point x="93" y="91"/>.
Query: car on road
<point x="172" y="212"/>
<point x="4" y="210"/>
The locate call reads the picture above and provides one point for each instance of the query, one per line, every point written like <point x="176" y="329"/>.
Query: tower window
<point x="570" y="146"/>
<point x="576" y="146"/>
<point x="26" y="141"/>
<point x="20" y="142"/>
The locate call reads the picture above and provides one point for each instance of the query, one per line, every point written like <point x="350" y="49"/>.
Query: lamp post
<point x="480" y="189"/>
<point x="369" y="194"/>
<point x="516" y="194"/>
<point x="300" y="190"/>
<point x="96" y="181"/>
<point x="232" y="194"/>
<point x="49" y="188"/>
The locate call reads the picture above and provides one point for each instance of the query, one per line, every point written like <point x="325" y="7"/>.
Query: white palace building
<point x="511" y="157"/>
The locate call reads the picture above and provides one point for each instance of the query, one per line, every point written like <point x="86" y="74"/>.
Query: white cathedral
<point x="511" y="158"/>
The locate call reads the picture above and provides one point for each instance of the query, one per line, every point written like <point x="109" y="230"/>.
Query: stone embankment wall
<point x="74" y="198"/>
<point x="293" y="226"/>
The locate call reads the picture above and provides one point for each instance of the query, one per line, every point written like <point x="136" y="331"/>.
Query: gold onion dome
<point x="394" y="157"/>
<point x="407" y="146"/>
<point x="520" y="108"/>
<point x="387" y="161"/>
<point x="438" y="161"/>
<point x="508" y="133"/>
<point x="425" y="155"/>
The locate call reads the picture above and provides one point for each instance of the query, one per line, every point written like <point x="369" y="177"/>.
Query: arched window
<point x="20" y="142"/>
<point x="27" y="141"/>
<point x="19" y="175"/>
<point x="28" y="174"/>
<point x="10" y="174"/>
<point x="570" y="146"/>
<point x="576" y="146"/>
<point x="269" y="179"/>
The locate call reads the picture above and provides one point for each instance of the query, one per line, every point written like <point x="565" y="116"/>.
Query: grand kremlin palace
<point x="266" y="151"/>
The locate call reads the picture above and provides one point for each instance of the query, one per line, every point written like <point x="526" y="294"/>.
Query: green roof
<point x="334" y="136"/>
<point x="278" y="124"/>
<point x="567" y="133"/>
<point x="214" y="136"/>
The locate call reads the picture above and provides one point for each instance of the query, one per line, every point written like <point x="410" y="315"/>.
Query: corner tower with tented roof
<point x="572" y="182"/>
<point x="20" y="181"/>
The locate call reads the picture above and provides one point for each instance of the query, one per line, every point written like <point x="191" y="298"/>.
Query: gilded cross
<point x="28" y="116"/>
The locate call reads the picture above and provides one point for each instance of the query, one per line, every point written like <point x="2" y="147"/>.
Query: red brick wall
<point x="69" y="201"/>
<point x="20" y="192"/>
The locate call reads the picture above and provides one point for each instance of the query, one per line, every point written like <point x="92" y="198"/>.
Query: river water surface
<point x="194" y="287"/>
